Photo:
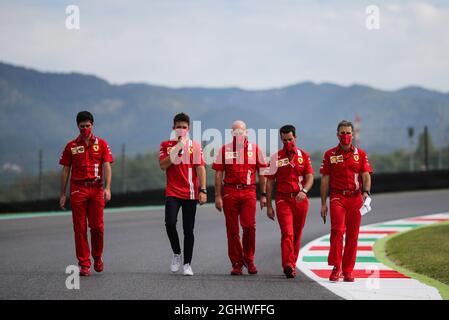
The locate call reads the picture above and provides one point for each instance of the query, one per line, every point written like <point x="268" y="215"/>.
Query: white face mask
<point x="181" y="133"/>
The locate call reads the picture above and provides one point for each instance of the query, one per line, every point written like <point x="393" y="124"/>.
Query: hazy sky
<point x="251" y="44"/>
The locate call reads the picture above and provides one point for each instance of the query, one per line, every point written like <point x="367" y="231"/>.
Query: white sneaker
<point x="188" y="270"/>
<point x="175" y="263"/>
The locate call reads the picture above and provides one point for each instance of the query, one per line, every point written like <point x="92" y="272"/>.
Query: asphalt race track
<point x="34" y="253"/>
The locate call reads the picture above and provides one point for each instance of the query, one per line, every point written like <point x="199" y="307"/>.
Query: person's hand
<point x="364" y="196"/>
<point x="263" y="202"/>
<point x="182" y="141"/>
<point x="219" y="203"/>
<point x="107" y="194"/>
<point x="62" y="201"/>
<point x="324" y="212"/>
<point x="301" y="196"/>
<point x="202" y="198"/>
<point x="270" y="212"/>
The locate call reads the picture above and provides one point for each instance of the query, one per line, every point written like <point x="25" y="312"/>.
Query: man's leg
<point x="337" y="213"/>
<point x="248" y="222"/>
<point x="285" y="218"/>
<point x="299" y="220"/>
<point x="95" y="216"/>
<point x="352" y="221"/>
<point x="78" y="201"/>
<point x="188" y="224"/>
<point x="231" y="208"/>
<point x="171" y="217"/>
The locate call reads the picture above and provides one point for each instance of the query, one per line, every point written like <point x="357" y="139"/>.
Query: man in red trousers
<point x="346" y="171"/>
<point x="292" y="170"/>
<point x="86" y="158"/>
<point x="239" y="162"/>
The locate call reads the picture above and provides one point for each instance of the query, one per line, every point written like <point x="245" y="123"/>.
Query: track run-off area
<point x="35" y="250"/>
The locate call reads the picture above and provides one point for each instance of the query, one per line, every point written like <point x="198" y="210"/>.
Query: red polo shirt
<point x="240" y="164"/>
<point x="86" y="161"/>
<point x="290" y="172"/>
<point x="181" y="177"/>
<point x="345" y="168"/>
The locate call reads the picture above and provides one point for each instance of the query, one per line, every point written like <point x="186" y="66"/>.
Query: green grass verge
<point x="421" y="253"/>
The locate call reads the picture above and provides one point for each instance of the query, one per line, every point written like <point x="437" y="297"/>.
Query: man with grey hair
<point x="238" y="162"/>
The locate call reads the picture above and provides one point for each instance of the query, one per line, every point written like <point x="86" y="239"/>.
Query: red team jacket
<point x="86" y="161"/>
<point x="290" y="174"/>
<point x="240" y="164"/>
<point x="181" y="177"/>
<point x="345" y="168"/>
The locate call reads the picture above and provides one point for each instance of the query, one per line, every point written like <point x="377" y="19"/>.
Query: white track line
<point x="372" y="284"/>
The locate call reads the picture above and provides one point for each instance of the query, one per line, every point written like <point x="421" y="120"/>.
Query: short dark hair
<point x="287" y="129"/>
<point x="84" y="116"/>
<point x="181" y="117"/>
<point x="345" y="123"/>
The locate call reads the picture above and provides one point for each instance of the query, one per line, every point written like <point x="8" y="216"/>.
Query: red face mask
<point x="289" y="146"/>
<point x="86" y="132"/>
<point x="345" y="139"/>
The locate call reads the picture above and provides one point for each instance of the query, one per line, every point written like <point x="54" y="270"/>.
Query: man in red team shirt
<point x="292" y="170"/>
<point x="86" y="158"/>
<point x="346" y="170"/>
<point x="238" y="162"/>
<point x="183" y="162"/>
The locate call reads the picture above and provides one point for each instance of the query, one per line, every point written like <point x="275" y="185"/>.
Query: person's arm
<point x="324" y="189"/>
<point x="65" y="173"/>
<point x="107" y="181"/>
<point x="218" y="184"/>
<point x="170" y="159"/>
<point x="263" y="190"/>
<point x="261" y="169"/>
<point x="366" y="179"/>
<point x="309" y="181"/>
<point x="270" y="209"/>
<point x="173" y="155"/>
<point x="307" y="186"/>
<point x="366" y="170"/>
<point x="201" y="171"/>
<point x="165" y="163"/>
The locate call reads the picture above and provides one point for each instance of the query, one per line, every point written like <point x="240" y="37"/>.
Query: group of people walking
<point x="288" y="176"/>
